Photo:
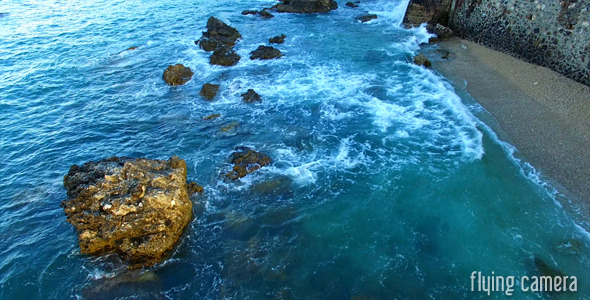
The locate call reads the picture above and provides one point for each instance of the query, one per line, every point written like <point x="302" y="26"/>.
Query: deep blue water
<point x="386" y="183"/>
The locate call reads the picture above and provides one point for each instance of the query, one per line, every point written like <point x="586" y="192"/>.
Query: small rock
<point x="249" y="12"/>
<point x="350" y="4"/>
<point x="231" y="126"/>
<point x="422" y="60"/>
<point x="444" y="54"/>
<point x="442" y="32"/>
<point x="433" y="40"/>
<point x="265" y="14"/>
<point x="211" y="117"/>
<point x="306" y="6"/>
<point x="251" y="96"/>
<point x="246" y="161"/>
<point x="218" y="34"/>
<point x="224" y="56"/>
<point x="279" y="39"/>
<point x="265" y="52"/>
<point x="131" y="48"/>
<point x="367" y="18"/>
<point x="193" y="188"/>
<point x="209" y="91"/>
<point x="177" y="74"/>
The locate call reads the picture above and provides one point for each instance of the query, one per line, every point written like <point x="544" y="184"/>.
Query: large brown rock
<point x="218" y="34"/>
<point x="136" y="208"/>
<point x="246" y="161"/>
<point x="177" y="74"/>
<point x="209" y="91"/>
<point x="422" y="60"/>
<point x="306" y="6"/>
<point x="224" y="56"/>
<point x="265" y="52"/>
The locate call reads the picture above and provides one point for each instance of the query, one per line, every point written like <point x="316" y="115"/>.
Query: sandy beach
<point x="544" y="114"/>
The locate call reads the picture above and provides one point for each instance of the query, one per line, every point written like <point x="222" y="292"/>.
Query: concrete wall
<point x="549" y="33"/>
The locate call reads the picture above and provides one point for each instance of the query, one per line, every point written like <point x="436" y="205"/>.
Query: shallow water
<point x="385" y="183"/>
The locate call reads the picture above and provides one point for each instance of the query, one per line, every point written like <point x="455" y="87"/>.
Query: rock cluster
<point x="177" y="74"/>
<point x="220" y="38"/>
<point x="136" y="208"/>
<point x="246" y="161"/>
<point x="306" y="6"/>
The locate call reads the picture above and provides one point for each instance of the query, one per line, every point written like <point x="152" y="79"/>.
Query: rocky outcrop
<point x="442" y="32"/>
<point x="177" y="75"/>
<point x="224" y="56"/>
<point x="366" y="18"/>
<point x="306" y="6"/>
<point x="265" y="52"/>
<point x="136" y="208"/>
<point x="422" y="60"/>
<point x="263" y="13"/>
<point x="431" y="12"/>
<point x="218" y="34"/>
<point x="251" y="96"/>
<point x="209" y="91"/>
<point x="246" y="161"/>
<point x="279" y="39"/>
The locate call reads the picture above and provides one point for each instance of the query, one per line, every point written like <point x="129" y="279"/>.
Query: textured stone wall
<point x="549" y="33"/>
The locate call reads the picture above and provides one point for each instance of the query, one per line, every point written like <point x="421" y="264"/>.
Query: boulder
<point x="442" y="32"/>
<point x="177" y="74"/>
<point x="265" y="14"/>
<point x="367" y="18"/>
<point x="444" y="54"/>
<point x="265" y="52"/>
<point x="218" y="34"/>
<point x="251" y="96"/>
<point x="279" y="39"/>
<point x="306" y="6"/>
<point x="209" y="91"/>
<point x="427" y="11"/>
<point x="136" y="208"/>
<point x="246" y="161"/>
<point x="351" y="4"/>
<point x="224" y="56"/>
<point x="249" y="12"/>
<point x="422" y="60"/>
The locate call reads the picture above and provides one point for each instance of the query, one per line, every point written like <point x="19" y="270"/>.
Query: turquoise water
<point x="385" y="183"/>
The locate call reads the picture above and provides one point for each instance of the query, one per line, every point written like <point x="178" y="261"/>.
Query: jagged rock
<point x="306" y="6"/>
<point x="444" y="54"/>
<point x="193" y="188"/>
<point x="177" y="74"/>
<point x="251" y="96"/>
<point x="246" y="161"/>
<point x="367" y="18"/>
<point x="265" y="52"/>
<point x="249" y="12"/>
<point x="211" y="117"/>
<point x="265" y="14"/>
<point x="351" y="4"/>
<point x="279" y="39"/>
<point x="136" y="208"/>
<point x="427" y="11"/>
<point x="218" y="34"/>
<point x="422" y="60"/>
<point x="442" y="32"/>
<point x="224" y="56"/>
<point x="209" y="91"/>
<point x="433" y="40"/>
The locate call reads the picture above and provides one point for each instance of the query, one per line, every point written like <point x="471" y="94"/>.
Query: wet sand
<point x="544" y="114"/>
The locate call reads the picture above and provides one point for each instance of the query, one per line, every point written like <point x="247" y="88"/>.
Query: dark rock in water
<point x="209" y="91"/>
<point x="279" y="39"/>
<point x="224" y="56"/>
<point x="265" y="52"/>
<point x="136" y="208"/>
<point x="444" y="54"/>
<point x="306" y="6"/>
<point x="367" y="18"/>
<point x="231" y="126"/>
<point x="422" y="60"/>
<point x="265" y="14"/>
<point x="211" y="117"/>
<point x="193" y="188"/>
<point x="433" y="40"/>
<point x="218" y="34"/>
<point x="249" y="12"/>
<point x="546" y="270"/>
<point x="246" y="161"/>
<point x="177" y="74"/>
<point x="131" y="48"/>
<point x="442" y="32"/>
<point x="427" y="11"/>
<point x="251" y="96"/>
<point x="350" y="4"/>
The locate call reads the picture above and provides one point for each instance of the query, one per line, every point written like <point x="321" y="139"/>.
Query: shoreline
<point x="544" y="114"/>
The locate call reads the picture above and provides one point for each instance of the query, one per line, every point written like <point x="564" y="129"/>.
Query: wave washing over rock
<point x="358" y="174"/>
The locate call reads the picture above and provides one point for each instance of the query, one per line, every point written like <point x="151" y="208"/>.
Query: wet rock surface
<point x="177" y="74"/>
<point x="136" y="208"/>
<point x="422" y="60"/>
<point x="351" y="4"/>
<point x="306" y="6"/>
<point x="246" y="161"/>
<point x="224" y="56"/>
<point x="366" y="18"/>
<point x="218" y="34"/>
<point x="279" y="39"/>
<point x="442" y="32"/>
<point x="209" y="91"/>
<point x="265" y="52"/>
<point x="251" y="96"/>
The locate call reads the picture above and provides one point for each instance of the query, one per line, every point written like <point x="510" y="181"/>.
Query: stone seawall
<point x="549" y="33"/>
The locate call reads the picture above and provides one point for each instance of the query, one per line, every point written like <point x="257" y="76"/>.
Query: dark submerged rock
<point x="367" y="18"/>
<point x="209" y="91"/>
<point x="218" y="34"/>
<point x="249" y="12"/>
<point x="246" y="161"/>
<point x="136" y="208"/>
<point x="279" y="39"/>
<point x="351" y="4"/>
<point x="211" y="117"/>
<point x="177" y="74"/>
<point x="265" y="52"/>
<point x="251" y="96"/>
<point x="422" y="60"/>
<point x="306" y="6"/>
<point x="224" y="56"/>
<point x="265" y="14"/>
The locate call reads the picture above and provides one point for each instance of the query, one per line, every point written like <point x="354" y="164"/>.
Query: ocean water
<point x="386" y="183"/>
